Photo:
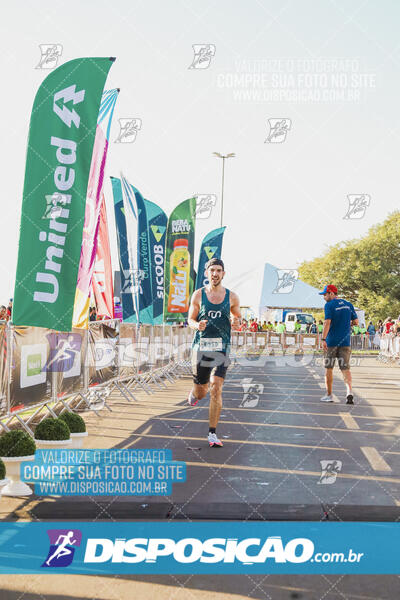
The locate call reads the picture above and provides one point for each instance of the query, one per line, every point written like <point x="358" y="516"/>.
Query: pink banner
<point x="102" y="281"/>
<point x="92" y="211"/>
<point x="89" y="239"/>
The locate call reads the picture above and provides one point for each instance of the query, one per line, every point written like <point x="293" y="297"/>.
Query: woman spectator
<point x="387" y="325"/>
<point x="254" y="325"/>
<point x="243" y="326"/>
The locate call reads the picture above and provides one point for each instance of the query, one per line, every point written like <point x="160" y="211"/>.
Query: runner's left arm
<point x="236" y="315"/>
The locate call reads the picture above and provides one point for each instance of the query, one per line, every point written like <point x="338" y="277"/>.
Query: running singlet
<point x="217" y="335"/>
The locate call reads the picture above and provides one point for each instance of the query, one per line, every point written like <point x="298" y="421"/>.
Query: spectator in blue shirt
<point x="371" y="334"/>
<point x="339" y="318"/>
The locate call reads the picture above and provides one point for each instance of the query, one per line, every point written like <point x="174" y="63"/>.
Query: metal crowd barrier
<point x="43" y="371"/>
<point x="389" y="348"/>
<point x="248" y="346"/>
<point x="364" y="341"/>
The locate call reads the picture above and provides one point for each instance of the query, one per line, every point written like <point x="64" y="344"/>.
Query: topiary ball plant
<point x="16" y="443"/>
<point x="75" y="422"/>
<point x="2" y="470"/>
<point x="52" y="429"/>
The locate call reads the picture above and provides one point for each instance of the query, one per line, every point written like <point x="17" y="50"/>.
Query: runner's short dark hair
<point x="215" y="261"/>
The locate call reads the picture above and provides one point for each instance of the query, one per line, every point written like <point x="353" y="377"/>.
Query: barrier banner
<point x="128" y="307"/>
<point x="61" y="137"/>
<point x="211" y="247"/>
<point x="166" y="354"/>
<point x="157" y="223"/>
<point x="179" y="258"/>
<point x="67" y="360"/>
<point x="92" y="211"/>
<point x="30" y="376"/>
<point x="103" y="340"/>
<point x="143" y="348"/>
<point x="157" y="346"/>
<point x="3" y="368"/>
<point x="127" y="350"/>
<point x="102" y="280"/>
<point x="290" y="341"/>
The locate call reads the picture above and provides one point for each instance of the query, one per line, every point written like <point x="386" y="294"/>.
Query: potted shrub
<point x="77" y="427"/>
<point x="52" y="433"/>
<point x="16" y="446"/>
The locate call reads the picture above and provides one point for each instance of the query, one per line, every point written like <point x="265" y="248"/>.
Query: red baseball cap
<point x="329" y="288"/>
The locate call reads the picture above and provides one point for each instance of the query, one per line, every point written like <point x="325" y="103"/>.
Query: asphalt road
<point x="286" y="455"/>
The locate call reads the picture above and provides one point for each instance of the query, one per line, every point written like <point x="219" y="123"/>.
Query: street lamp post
<point x="223" y="156"/>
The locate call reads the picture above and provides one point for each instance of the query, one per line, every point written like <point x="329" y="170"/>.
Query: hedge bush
<point x="52" y="429"/>
<point x="75" y="422"/>
<point x="16" y="443"/>
<point x="2" y="469"/>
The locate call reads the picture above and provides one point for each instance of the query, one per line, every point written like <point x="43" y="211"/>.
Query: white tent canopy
<point x="269" y="286"/>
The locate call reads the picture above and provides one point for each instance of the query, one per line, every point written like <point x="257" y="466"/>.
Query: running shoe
<point x="192" y="401"/>
<point x="327" y="398"/>
<point x="214" y="441"/>
<point x="349" y="399"/>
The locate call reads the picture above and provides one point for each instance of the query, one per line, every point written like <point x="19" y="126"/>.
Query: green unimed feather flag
<point x="60" y="145"/>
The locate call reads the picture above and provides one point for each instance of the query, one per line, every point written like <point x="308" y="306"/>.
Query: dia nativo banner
<point x="179" y="263"/>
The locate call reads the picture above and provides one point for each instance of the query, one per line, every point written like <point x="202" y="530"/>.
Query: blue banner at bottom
<point x="200" y="547"/>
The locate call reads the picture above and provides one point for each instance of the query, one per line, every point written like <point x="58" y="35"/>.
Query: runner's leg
<point x="344" y="364"/>
<point x="328" y="381"/>
<point x="215" y="400"/>
<point x="199" y="391"/>
<point x="201" y="378"/>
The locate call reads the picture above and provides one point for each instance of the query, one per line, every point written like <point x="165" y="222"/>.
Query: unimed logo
<point x="33" y="364"/>
<point x="190" y="550"/>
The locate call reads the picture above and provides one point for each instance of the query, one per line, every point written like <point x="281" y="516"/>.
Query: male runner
<point x="211" y="310"/>
<point x="339" y="317"/>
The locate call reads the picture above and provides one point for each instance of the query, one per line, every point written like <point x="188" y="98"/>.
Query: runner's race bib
<point x="211" y="344"/>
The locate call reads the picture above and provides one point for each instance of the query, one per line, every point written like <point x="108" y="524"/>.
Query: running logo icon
<point x="55" y="204"/>
<point x="128" y="129"/>
<point x="286" y="281"/>
<point x="358" y="204"/>
<point x="50" y="54"/>
<point x="133" y="281"/>
<point x="278" y="129"/>
<point x="204" y="205"/>
<point x="329" y="471"/>
<point x="203" y="54"/>
<point x="252" y="391"/>
<point x="63" y="543"/>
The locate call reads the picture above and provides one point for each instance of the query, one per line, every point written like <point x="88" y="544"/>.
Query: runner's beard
<point x="215" y="282"/>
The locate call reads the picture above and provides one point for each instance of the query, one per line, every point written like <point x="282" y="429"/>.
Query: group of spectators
<point x="389" y="325"/>
<point x="278" y="326"/>
<point x="5" y="311"/>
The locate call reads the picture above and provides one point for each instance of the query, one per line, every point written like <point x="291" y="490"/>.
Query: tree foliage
<point x="366" y="271"/>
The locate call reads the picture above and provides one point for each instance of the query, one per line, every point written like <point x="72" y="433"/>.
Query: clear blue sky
<point x="284" y="202"/>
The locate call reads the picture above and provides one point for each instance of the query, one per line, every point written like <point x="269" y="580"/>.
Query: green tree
<point x="366" y="271"/>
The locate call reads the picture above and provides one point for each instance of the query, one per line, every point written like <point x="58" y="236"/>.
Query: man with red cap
<point x="339" y="318"/>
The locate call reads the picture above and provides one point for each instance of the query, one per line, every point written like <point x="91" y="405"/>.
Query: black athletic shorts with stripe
<point x="205" y="364"/>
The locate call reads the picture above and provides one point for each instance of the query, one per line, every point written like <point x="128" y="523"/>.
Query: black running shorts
<point x="205" y="364"/>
